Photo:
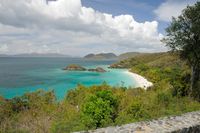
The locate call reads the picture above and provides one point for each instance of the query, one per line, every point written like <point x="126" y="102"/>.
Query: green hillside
<point x="128" y="55"/>
<point x="155" y="65"/>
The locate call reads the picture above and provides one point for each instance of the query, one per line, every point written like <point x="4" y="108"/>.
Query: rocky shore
<point x="117" y="66"/>
<point x="74" y="67"/>
<point x="98" y="69"/>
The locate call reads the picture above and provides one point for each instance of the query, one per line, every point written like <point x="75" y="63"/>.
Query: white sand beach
<point x="141" y="81"/>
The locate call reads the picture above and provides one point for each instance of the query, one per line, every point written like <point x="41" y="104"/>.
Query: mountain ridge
<point x="101" y="56"/>
<point x="35" y="55"/>
<point x="106" y="56"/>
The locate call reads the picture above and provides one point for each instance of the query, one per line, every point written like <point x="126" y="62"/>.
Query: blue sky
<point x="79" y="27"/>
<point x="142" y="10"/>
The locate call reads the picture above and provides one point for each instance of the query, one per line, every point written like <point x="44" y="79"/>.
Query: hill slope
<point x="128" y="55"/>
<point x="155" y="59"/>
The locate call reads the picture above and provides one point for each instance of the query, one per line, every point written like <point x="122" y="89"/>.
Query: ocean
<point x="19" y="75"/>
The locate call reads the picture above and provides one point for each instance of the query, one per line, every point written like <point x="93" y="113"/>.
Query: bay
<point x="19" y="75"/>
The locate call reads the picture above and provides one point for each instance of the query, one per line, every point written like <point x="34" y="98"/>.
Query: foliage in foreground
<point x="93" y="107"/>
<point x="89" y="108"/>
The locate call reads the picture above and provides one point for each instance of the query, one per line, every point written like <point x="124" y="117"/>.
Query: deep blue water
<point x="21" y="75"/>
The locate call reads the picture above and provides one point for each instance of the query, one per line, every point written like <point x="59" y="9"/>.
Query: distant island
<point x="101" y="56"/>
<point x="75" y="67"/>
<point x="98" y="69"/>
<point x="111" y="56"/>
<point x="35" y="55"/>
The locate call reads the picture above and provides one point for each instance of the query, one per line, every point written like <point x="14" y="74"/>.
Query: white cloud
<point x="67" y="27"/>
<point x="172" y="8"/>
<point x="3" y="48"/>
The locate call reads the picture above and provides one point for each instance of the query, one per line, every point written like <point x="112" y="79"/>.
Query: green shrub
<point x="100" y="109"/>
<point x="164" y="98"/>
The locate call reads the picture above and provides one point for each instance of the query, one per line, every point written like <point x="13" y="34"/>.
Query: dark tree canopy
<point x="183" y="35"/>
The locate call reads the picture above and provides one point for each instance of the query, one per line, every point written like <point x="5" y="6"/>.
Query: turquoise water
<point x="21" y="75"/>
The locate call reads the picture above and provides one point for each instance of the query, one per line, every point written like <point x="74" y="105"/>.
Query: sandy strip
<point x="141" y="81"/>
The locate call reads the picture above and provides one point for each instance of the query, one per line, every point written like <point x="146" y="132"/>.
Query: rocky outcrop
<point x="74" y="67"/>
<point x="118" y="66"/>
<point x="186" y="123"/>
<point x="98" y="69"/>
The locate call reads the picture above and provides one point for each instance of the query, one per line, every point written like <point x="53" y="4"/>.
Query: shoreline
<point x="141" y="81"/>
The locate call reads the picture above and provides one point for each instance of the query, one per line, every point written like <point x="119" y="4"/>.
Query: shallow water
<point x="21" y="75"/>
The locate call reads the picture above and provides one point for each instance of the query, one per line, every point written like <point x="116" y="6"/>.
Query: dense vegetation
<point x="98" y="106"/>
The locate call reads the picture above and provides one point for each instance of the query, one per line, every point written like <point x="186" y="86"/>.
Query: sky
<point x="79" y="27"/>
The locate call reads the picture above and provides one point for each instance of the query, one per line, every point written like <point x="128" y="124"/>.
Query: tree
<point x="100" y="109"/>
<point x="183" y="36"/>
